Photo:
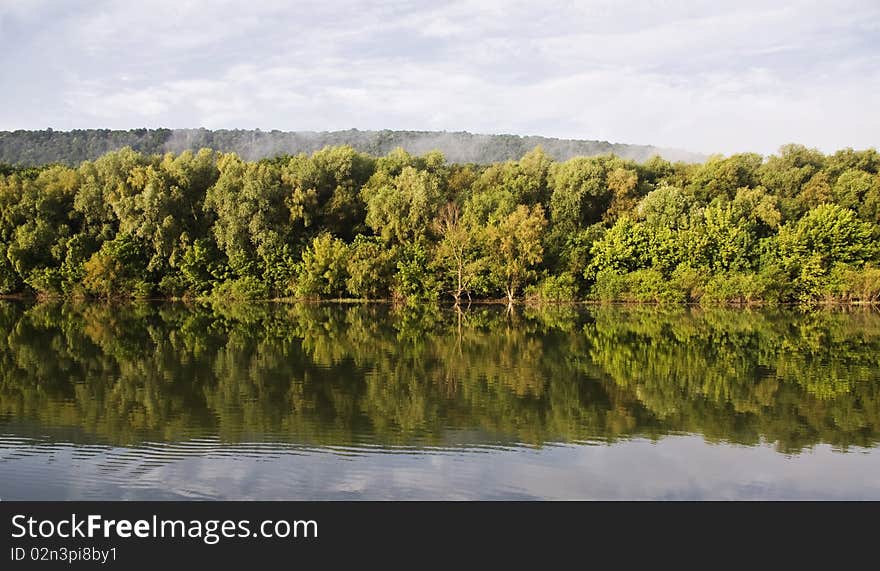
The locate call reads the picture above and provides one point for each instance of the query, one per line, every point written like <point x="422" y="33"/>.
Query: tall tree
<point x="512" y="249"/>
<point x="457" y="253"/>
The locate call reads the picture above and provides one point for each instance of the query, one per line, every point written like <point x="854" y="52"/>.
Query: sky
<point x="710" y="77"/>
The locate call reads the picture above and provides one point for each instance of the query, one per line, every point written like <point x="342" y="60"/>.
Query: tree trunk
<point x="460" y="287"/>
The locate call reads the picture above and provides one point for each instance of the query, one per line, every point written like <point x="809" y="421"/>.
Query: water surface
<point x="305" y="401"/>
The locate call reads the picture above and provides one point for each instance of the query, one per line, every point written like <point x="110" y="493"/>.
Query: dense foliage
<point x="795" y="227"/>
<point x="344" y="375"/>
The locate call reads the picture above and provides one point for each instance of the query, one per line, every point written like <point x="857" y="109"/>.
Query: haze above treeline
<point x="31" y="148"/>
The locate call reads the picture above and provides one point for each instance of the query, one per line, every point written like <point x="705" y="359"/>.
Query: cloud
<point x="680" y="467"/>
<point x="695" y="75"/>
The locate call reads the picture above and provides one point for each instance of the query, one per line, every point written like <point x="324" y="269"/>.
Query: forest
<point x="795" y="227"/>
<point x="33" y="148"/>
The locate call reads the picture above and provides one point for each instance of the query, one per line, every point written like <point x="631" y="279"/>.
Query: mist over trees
<point x="30" y="148"/>
<point x="798" y="226"/>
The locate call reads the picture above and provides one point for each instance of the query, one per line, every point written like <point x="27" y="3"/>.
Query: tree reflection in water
<point x="343" y="375"/>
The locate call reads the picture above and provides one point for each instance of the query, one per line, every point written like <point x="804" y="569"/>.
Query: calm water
<point x="275" y="401"/>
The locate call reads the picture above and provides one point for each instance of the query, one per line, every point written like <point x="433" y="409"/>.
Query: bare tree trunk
<point x="459" y="287"/>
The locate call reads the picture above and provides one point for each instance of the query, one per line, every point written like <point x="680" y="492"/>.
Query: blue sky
<point x="703" y="76"/>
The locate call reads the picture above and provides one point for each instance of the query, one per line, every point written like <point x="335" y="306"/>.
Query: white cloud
<point x="694" y="75"/>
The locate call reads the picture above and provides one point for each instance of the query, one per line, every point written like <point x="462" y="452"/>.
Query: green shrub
<point x="172" y="285"/>
<point x="610" y="286"/>
<point x="9" y="280"/>
<point x="690" y="281"/>
<point x="119" y="268"/>
<point x="643" y="286"/>
<point x="652" y="286"/>
<point x="734" y="287"/>
<point x="245" y="288"/>
<point x="414" y="281"/>
<point x="846" y="283"/>
<point x="370" y="268"/>
<point x="45" y="281"/>
<point x="553" y="289"/>
<point x="322" y="272"/>
<point x="201" y="266"/>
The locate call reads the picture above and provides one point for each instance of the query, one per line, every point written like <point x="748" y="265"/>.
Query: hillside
<point x="29" y="148"/>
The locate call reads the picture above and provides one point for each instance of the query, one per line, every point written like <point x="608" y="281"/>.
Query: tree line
<point x="798" y="226"/>
<point x="30" y="148"/>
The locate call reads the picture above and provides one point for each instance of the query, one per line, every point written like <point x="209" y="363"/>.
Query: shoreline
<point x="476" y="302"/>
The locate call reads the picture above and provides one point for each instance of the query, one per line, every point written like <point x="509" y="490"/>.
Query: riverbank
<point x="447" y="304"/>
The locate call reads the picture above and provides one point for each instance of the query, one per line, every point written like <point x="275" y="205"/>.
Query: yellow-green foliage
<point x="798" y="226"/>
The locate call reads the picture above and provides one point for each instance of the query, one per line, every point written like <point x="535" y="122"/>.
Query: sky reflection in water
<point x="273" y="401"/>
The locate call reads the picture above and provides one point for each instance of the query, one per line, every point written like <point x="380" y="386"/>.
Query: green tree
<point x="624" y="248"/>
<point x="526" y="181"/>
<point x="39" y="221"/>
<point x="326" y="189"/>
<point x="723" y="177"/>
<point x="859" y="191"/>
<point x="786" y="174"/>
<point x="457" y="255"/>
<point x="401" y="209"/>
<point x="414" y="282"/>
<point x="119" y="269"/>
<point x="512" y="249"/>
<point x="370" y="268"/>
<point x="667" y="207"/>
<point x="323" y="269"/>
<point x="580" y="192"/>
<point x="252" y="226"/>
<point x="827" y="235"/>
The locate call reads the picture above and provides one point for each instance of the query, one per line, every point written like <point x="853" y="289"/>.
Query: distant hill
<point x="28" y="148"/>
